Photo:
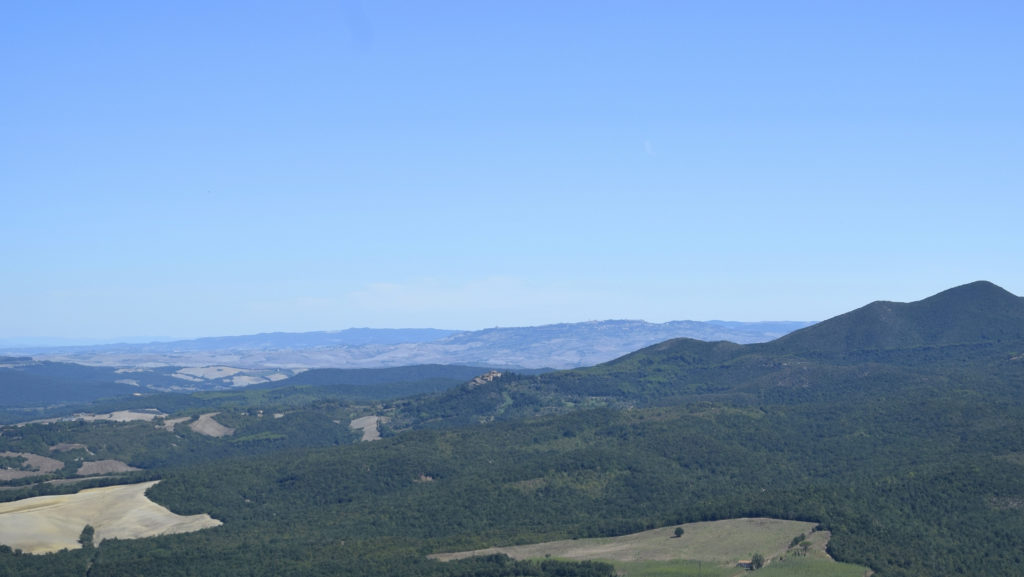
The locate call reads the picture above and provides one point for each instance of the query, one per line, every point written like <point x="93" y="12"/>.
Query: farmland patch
<point x="55" y="522"/>
<point x="32" y="465"/>
<point x="713" y="547"/>
<point x="205" y="425"/>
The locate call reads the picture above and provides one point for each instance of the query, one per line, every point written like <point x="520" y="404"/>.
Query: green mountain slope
<point x="876" y="349"/>
<point x="25" y="382"/>
<point x="979" y="312"/>
<point x="908" y="447"/>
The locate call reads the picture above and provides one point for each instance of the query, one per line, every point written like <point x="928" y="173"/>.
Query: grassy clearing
<point x="791" y="567"/>
<point x="673" y="569"/>
<point x="723" y="542"/>
<point x="811" y="567"/>
<point x="710" y="549"/>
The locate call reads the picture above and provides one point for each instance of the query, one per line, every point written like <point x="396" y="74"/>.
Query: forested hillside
<point x="966" y="333"/>
<point x="906" y="442"/>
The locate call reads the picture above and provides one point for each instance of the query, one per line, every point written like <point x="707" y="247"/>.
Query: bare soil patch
<point x="246" y="380"/>
<point x="121" y="416"/>
<point x="105" y="467"/>
<point x="37" y="465"/>
<point x="118" y="416"/>
<point x="369" y="426"/>
<point x="169" y="423"/>
<point x="54" y="522"/>
<point x="209" y="372"/>
<point x="65" y="447"/>
<point x="205" y="425"/>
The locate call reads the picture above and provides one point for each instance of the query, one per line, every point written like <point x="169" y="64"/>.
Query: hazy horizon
<point x="63" y="341"/>
<point x="225" y="169"/>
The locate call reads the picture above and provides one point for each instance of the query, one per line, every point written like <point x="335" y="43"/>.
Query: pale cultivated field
<point x="39" y="465"/>
<point x="169" y="423"/>
<point x="246" y="380"/>
<point x="719" y="542"/>
<point x="104" y="467"/>
<point x="205" y="425"/>
<point x="369" y="426"/>
<point x="62" y="447"/>
<point x="54" y="522"/>
<point x="209" y="372"/>
<point x="121" y="416"/>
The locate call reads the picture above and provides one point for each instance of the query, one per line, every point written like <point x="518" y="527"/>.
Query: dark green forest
<point x="906" y="442"/>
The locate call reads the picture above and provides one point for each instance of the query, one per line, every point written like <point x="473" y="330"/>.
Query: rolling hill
<point x="895" y="427"/>
<point x="564" y="345"/>
<point x="975" y="313"/>
<point x="975" y="328"/>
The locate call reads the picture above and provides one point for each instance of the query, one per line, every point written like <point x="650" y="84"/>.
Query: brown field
<point x="121" y="416"/>
<point x="39" y="465"/>
<point x="246" y="380"/>
<point x="369" y="427"/>
<point x="169" y="423"/>
<point x="54" y="522"/>
<point x="205" y="425"/>
<point x="104" y="467"/>
<point x="62" y="447"/>
<point x="208" y="373"/>
<point x="118" y="416"/>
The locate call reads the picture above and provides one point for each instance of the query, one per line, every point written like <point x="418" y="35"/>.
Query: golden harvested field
<point x="54" y="522"/>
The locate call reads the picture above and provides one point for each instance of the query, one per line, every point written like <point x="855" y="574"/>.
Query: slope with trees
<point x="907" y="446"/>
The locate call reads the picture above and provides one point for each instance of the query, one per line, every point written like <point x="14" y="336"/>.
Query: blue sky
<point x="212" y="168"/>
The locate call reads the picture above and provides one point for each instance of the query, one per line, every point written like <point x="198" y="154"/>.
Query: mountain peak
<point x="980" y="294"/>
<point x="977" y="312"/>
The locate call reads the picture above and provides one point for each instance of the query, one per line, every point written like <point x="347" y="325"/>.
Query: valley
<point x="889" y="437"/>
<point x="251" y="359"/>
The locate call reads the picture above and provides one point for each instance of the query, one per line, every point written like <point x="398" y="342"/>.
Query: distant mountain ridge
<point x="265" y="341"/>
<point x="975" y="330"/>
<point x="556" y="346"/>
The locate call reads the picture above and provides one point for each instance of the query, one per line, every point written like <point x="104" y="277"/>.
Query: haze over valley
<point x="793" y="456"/>
<point x="393" y="258"/>
<point x="558" y="346"/>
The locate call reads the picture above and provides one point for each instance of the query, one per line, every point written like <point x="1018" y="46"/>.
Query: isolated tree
<point x="757" y="561"/>
<point x="86" y="537"/>
<point x="679" y="532"/>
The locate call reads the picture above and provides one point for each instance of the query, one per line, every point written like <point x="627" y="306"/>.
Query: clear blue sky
<point x="213" y="168"/>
